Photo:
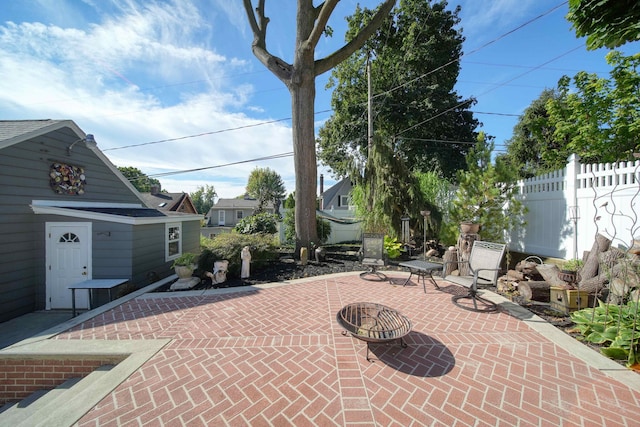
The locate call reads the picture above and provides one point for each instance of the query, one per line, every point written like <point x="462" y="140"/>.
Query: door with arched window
<point x="68" y="261"/>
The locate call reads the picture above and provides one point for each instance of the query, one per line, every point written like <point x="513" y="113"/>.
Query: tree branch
<point x="327" y="63"/>
<point x="322" y="18"/>
<point x="277" y="66"/>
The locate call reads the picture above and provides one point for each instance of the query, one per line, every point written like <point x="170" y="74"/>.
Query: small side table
<point x="108" y="284"/>
<point x="422" y="269"/>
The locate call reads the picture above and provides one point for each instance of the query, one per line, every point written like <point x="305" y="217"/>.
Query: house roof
<point x="169" y="202"/>
<point x="337" y="188"/>
<point x="128" y="212"/>
<point x="124" y="213"/>
<point x="239" y="204"/>
<point x="15" y="131"/>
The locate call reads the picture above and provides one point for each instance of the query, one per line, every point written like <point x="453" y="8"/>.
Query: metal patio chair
<point x="484" y="265"/>
<point x="373" y="256"/>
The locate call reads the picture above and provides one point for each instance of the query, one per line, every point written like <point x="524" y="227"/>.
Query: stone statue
<point x="219" y="274"/>
<point x="246" y="262"/>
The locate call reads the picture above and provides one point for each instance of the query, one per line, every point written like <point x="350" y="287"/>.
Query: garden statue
<point x="219" y="274"/>
<point x="246" y="262"/>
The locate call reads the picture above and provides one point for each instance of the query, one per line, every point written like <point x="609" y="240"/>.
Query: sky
<point x="169" y="86"/>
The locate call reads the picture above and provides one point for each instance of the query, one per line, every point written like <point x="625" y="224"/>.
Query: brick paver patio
<point x="276" y="357"/>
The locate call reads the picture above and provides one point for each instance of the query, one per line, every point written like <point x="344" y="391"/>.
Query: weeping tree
<point x="299" y="77"/>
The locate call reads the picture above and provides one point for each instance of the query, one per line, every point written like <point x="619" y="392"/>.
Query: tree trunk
<point x="450" y="258"/>
<point x="304" y="155"/>
<point x="590" y="267"/>
<point x="465" y="243"/>
<point x="534" y="290"/>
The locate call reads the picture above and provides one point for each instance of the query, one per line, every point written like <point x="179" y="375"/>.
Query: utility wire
<point x="275" y="156"/>
<point x="489" y="90"/>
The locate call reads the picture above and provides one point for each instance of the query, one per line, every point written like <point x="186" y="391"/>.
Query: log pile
<point x="604" y="267"/>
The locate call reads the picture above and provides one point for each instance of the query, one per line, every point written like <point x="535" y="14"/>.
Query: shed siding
<point x="25" y="170"/>
<point x="118" y="250"/>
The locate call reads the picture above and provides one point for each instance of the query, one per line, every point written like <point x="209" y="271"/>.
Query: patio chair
<point x="373" y="256"/>
<point x="484" y="265"/>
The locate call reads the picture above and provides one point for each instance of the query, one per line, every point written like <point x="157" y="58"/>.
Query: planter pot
<point x="568" y="276"/>
<point x="183" y="271"/>
<point x="469" y="227"/>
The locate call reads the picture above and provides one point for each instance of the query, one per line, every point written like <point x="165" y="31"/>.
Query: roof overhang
<point x="87" y="211"/>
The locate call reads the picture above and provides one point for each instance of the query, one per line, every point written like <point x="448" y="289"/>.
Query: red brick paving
<point x="277" y="357"/>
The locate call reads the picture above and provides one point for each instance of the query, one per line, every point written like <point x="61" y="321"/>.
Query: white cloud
<point x="479" y="17"/>
<point x="140" y="76"/>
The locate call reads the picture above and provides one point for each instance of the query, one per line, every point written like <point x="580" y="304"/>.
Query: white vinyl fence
<point x="567" y="209"/>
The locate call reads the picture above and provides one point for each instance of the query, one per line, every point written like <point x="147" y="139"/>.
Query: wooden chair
<point x="373" y="256"/>
<point x="484" y="265"/>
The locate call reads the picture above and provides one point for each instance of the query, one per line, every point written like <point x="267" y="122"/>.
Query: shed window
<point x="173" y="241"/>
<point x="239" y="215"/>
<point x="344" y="201"/>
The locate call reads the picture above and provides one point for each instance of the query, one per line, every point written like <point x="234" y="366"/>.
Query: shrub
<point x="229" y="246"/>
<point x="612" y="326"/>
<point x="392" y="247"/>
<point x="323" y="228"/>
<point x="259" y="223"/>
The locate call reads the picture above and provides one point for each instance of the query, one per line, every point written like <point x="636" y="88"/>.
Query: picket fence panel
<point x="567" y="209"/>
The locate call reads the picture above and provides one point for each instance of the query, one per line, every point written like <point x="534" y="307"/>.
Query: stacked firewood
<point x="613" y="270"/>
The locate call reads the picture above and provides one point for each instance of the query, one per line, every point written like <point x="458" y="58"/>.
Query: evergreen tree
<point x="414" y="60"/>
<point x="486" y="194"/>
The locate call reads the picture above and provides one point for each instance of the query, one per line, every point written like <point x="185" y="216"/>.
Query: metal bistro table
<point x="421" y="269"/>
<point x="91" y="285"/>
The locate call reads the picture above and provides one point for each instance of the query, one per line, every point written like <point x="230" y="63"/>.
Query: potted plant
<point x="569" y="270"/>
<point x="469" y="227"/>
<point x="185" y="264"/>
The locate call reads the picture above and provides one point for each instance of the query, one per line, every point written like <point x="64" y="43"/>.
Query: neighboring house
<point x="169" y="202"/>
<point x="69" y="215"/>
<point x="337" y="197"/>
<point x="226" y="213"/>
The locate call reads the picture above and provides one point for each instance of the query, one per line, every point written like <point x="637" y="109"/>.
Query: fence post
<point x="571" y="196"/>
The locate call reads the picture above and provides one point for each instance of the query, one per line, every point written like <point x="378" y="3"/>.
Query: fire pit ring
<point x="373" y="323"/>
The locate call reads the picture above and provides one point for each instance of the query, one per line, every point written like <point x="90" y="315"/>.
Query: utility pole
<point x="369" y="113"/>
<point x="368" y="170"/>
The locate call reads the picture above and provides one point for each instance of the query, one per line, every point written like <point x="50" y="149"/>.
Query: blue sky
<point x="135" y="72"/>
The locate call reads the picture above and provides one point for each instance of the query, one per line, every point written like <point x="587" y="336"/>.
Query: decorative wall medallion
<point x="67" y="179"/>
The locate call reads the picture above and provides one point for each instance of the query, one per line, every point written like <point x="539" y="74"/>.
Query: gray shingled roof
<point x="240" y="204"/>
<point x="13" y="128"/>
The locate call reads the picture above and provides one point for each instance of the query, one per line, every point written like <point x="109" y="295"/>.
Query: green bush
<point x="323" y="228"/>
<point x="613" y="326"/>
<point x="229" y="246"/>
<point x="392" y="247"/>
<point x="259" y="223"/>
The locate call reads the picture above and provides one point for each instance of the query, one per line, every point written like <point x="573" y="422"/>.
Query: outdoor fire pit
<point x="374" y="323"/>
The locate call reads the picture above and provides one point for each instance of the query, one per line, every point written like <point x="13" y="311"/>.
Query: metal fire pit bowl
<point x="374" y="323"/>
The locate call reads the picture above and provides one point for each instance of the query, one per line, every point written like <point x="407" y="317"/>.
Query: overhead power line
<point x="259" y="159"/>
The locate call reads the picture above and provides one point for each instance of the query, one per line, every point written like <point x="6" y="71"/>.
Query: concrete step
<point x="34" y="409"/>
<point x="14" y="412"/>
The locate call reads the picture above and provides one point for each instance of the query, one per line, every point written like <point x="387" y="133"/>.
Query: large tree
<point x="139" y="179"/>
<point x="605" y="23"/>
<point x="299" y="77"/>
<point x="414" y="66"/>
<point x="533" y="148"/>
<point x="265" y="185"/>
<point x="203" y="198"/>
<point x="599" y="118"/>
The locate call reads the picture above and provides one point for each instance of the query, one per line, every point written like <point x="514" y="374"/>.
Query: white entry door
<point x="221" y="218"/>
<point x="68" y="261"/>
